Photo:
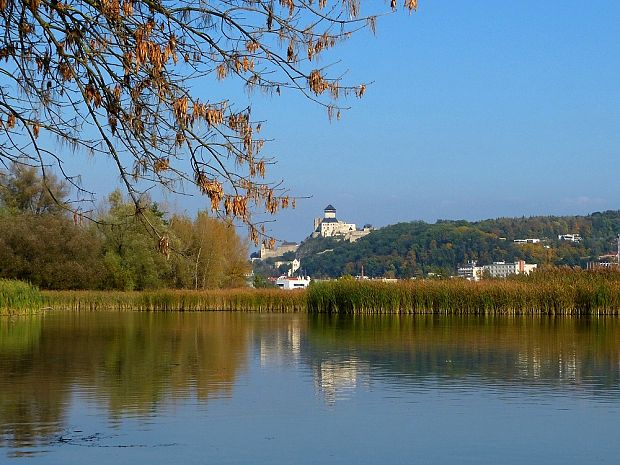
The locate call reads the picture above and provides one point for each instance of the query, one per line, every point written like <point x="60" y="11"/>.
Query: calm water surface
<point x="238" y="388"/>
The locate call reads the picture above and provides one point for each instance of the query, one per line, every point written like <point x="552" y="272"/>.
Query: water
<point x="239" y="388"/>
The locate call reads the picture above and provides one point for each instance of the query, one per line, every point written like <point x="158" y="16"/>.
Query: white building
<point x="471" y="272"/>
<point x="569" y="237"/>
<point x="330" y="226"/>
<point x="527" y="241"/>
<point x="288" y="283"/>
<point x="503" y="269"/>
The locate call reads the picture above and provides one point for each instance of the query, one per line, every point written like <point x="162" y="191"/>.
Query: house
<point x="291" y="283"/>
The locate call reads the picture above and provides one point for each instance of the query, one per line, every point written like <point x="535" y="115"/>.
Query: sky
<point x="477" y="109"/>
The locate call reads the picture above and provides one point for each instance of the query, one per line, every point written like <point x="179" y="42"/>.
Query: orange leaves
<point x="32" y="4"/>
<point x="359" y="92"/>
<point x="222" y="71"/>
<point x="288" y="4"/>
<point x="128" y="7"/>
<point x="214" y="116"/>
<point x="66" y="71"/>
<point x="245" y="64"/>
<point x="236" y="205"/>
<point x="111" y="8"/>
<point x="252" y="46"/>
<point x="317" y="83"/>
<point x="179" y="109"/>
<point x="92" y="95"/>
<point x="411" y="5"/>
<point x="3" y="5"/>
<point x="36" y="128"/>
<point x="10" y="122"/>
<point x="161" y="164"/>
<point x="211" y="188"/>
<point x="260" y="167"/>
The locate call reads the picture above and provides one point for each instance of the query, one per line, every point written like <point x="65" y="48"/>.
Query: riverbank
<point x="247" y="299"/>
<point x="544" y="293"/>
<point x="18" y="297"/>
<point x="564" y="292"/>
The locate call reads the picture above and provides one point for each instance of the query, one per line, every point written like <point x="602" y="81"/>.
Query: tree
<point x="118" y="78"/>
<point x="214" y="256"/>
<point x="131" y="260"/>
<point x="23" y="190"/>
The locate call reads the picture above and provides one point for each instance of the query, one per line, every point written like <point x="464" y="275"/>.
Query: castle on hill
<point x="330" y="226"/>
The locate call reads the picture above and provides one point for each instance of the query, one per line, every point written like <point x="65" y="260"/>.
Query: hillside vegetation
<point x="415" y="249"/>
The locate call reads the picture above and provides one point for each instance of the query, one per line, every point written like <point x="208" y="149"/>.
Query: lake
<point x="251" y="388"/>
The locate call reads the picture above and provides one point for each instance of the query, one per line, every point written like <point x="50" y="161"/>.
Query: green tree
<point x="131" y="256"/>
<point x="24" y="190"/>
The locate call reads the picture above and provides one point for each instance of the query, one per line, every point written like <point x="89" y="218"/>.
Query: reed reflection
<point x="574" y="353"/>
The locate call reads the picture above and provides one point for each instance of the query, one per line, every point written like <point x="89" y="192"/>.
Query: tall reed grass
<point x="18" y="297"/>
<point x="549" y="293"/>
<point x="260" y="300"/>
<point x="546" y="292"/>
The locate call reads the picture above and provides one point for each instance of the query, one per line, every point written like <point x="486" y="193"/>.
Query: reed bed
<point x="574" y="293"/>
<point x="546" y="292"/>
<point x="257" y="300"/>
<point x="18" y="297"/>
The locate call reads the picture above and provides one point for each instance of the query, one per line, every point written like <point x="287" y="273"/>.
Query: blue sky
<point x="478" y="109"/>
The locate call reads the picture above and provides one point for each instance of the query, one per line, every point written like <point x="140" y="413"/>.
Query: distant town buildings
<point x="503" y="269"/>
<point x="330" y="226"/>
<point x="472" y="272"/>
<point x="569" y="237"/>
<point x="527" y="241"/>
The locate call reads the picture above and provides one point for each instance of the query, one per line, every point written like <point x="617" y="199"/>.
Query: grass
<point x="554" y="292"/>
<point x="18" y="297"/>
<point x="260" y="300"/>
<point x="546" y="292"/>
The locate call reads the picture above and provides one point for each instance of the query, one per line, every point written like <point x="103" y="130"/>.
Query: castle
<point x="330" y="226"/>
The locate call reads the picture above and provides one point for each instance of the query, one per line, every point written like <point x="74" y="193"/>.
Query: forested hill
<point x="415" y="249"/>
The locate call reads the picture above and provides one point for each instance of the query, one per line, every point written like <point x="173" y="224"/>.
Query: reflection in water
<point x="337" y="379"/>
<point x="517" y="352"/>
<point x="138" y="364"/>
<point x="130" y="362"/>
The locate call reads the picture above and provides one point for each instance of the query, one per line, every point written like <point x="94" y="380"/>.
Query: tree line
<point x="43" y="242"/>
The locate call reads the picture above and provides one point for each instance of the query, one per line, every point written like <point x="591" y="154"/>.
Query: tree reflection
<point x="133" y="363"/>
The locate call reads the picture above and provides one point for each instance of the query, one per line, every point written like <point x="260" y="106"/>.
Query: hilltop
<point x="417" y="248"/>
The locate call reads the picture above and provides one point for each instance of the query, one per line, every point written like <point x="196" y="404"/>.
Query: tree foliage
<point x="122" y="79"/>
<point x="42" y="243"/>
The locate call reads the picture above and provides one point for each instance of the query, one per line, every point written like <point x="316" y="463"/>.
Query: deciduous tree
<point x="119" y="79"/>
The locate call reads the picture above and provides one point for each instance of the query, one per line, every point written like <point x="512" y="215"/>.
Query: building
<point x="280" y="250"/>
<point x="569" y="237"/>
<point x="471" y="272"/>
<point x="330" y="226"/>
<point x="289" y="283"/>
<point x="503" y="269"/>
<point x="527" y="241"/>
